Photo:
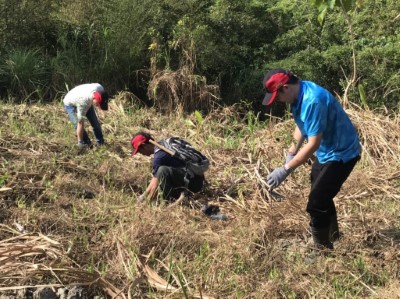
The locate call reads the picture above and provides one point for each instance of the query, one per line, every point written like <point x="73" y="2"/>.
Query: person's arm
<point x="150" y="190"/>
<point x="276" y="177"/>
<point x="299" y="138"/>
<point x="305" y="153"/>
<point x="295" y="147"/>
<point x="81" y="110"/>
<point x="79" y="130"/>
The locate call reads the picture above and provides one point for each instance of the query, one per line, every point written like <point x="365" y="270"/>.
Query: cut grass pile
<point x="52" y="235"/>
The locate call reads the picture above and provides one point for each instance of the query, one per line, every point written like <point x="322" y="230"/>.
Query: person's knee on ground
<point x="196" y="184"/>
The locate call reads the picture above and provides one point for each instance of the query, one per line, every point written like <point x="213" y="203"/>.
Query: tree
<point x="346" y="6"/>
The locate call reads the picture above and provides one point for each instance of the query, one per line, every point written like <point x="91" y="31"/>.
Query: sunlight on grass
<point x="258" y="253"/>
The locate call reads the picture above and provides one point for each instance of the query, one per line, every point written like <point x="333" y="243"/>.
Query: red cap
<point x="274" y="80"/>
<point x="97" y="96"/>
<point x="136" y="142"/>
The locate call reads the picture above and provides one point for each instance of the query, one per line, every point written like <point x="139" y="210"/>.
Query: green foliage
<point x="381" y="78"/>
<point x="324" y="5"/>
<point x="199" y="117"/>
<point x="228" y="46"/>
<point x="124" y="44"/>
<point x="26" y="24"/>
<point x="231" y="43"/>
<point x="3" y="180"/>
<point x="25" y="73"/>
<point x="363" y="97"/>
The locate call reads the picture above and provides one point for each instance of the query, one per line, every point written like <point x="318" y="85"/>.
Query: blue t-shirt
<point x="162" y="158"/>
<point x="317" y="111"/>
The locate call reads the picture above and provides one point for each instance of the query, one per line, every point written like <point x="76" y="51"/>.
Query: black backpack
<point x="195" y="161"/>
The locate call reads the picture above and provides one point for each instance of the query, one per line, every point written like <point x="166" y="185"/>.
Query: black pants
<point x="172" y="182"/>
<point x="326" y="181"/>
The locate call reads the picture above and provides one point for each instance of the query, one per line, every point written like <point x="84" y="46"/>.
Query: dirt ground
<point x="71" y="218"/>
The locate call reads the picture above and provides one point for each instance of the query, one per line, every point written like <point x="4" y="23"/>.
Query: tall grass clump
<point x="25" y="75"/>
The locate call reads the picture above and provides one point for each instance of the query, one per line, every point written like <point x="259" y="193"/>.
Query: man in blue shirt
<point x="169" y="172"/>
<point x="330" y="134"/>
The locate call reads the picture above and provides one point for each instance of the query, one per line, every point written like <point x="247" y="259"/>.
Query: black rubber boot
<point x="321" y="238"/>
<point x="334" y="233"/>
<point x="322" y="246"/>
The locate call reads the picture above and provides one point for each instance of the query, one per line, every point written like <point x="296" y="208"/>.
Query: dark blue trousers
<point x="93" y="120"/>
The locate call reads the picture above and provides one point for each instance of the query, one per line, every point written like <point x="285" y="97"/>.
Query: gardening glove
<point x="289" y="157"/>
<point x="275" y="178"/>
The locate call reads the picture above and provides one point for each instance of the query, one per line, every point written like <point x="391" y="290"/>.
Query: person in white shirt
<point x="78" y="103"/>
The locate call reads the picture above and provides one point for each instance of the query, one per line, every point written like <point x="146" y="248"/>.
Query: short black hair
<point x="293" y="79"/>
<point x="104" y="101"/>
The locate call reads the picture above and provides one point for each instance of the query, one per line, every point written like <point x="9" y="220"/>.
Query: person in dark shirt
<point x="169" y="173"/>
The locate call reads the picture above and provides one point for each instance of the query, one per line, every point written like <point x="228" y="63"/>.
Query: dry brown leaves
<point x="181" y="91"/>
<point x="26" y="258"/>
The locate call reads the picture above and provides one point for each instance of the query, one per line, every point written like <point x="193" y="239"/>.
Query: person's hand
<point x="275" y="178"/>
<point x="82" y="145"/>
<point x="289" y="157"/>
<point x="141" y="197"/>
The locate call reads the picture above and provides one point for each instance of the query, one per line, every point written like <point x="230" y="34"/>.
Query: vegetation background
<point x="193" y="69"/>
<point x="49" y="46"/>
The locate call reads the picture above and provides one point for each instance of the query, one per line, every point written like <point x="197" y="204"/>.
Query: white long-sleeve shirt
<point x="81" y="97"/>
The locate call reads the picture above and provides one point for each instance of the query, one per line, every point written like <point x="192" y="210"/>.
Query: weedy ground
<point x="51" y="235"/>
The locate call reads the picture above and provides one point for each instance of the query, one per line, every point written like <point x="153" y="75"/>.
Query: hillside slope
<point x="52" y="235"/>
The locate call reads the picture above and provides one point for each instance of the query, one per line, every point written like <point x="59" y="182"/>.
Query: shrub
<point x="25" y="75"/>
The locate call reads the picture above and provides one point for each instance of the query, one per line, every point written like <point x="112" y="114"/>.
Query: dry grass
<point x="137" y="251"/>
<point x="181" y="91"/>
